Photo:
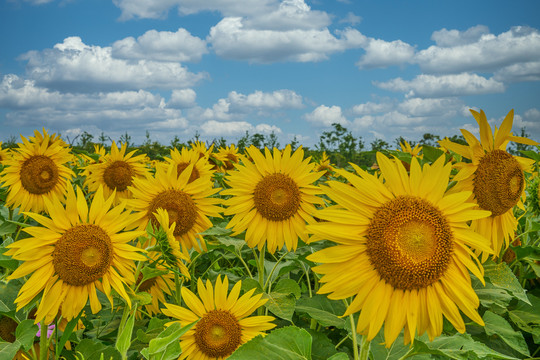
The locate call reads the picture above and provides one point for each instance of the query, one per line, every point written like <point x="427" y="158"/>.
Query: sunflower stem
<point x="239" y="256"/>
<point x="178" y="286"/>
<point x="353" y="336"/>
<point x="364" y="348"/>
<point x="43" y="341"/>
<point x="267" y="284"/>
<point x="260" y="263"/>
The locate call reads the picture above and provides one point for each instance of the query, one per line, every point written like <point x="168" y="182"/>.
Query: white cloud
<point x="290" y="15"/>
<point x="279" y="99"/>
<point x="75" y="66"/>
<point x="445" y="107"/>
<point x="451" y="38"/>
<point x="182" y="98"/>
<point x="232" y="128"/>
<point x="158" y="9"/>
<point x="530" y="121"/>
<point x="238" y="105"/>
<point x="528" y="71"/>
<point x="351" y="18"/>
<point x="371" y="108"/>
<point x="488" y="53"/>
<point x="326" y="116"/>
<point x="232" y="40"/>
<point x="161" y="46"/>
<point x="444" y="85"/>
<point x="380" y="53"/>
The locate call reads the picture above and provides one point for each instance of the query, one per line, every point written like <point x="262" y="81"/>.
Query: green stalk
<point x="43" y="341"/>
<point x="260" y="263"/>
<point x="353" y="335"/>
<point x="364" y="348"/>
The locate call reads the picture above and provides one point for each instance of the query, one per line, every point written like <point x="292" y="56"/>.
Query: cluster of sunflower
<point x="402" y="239"/>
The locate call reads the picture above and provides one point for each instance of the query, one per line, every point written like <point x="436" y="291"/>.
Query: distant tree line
<point x="340" y="145"/>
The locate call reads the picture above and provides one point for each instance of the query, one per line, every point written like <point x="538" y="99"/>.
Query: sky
<point x="218" y="68"/>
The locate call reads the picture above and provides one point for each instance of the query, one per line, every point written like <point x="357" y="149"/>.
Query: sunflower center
<point x="39" y="174"/>
<point x="83" y="254"/>
<point x="181" y="209"/>
<point x="218" y="334"/>
<point x="409" y="243"/>
<point x="498" y="182"/>
<point x="118" y="175"/>
<point x="231" y="160"/>
<point x="194" y="173"/>
<point x="277" y="197"/>
<point x="146" y="284"/>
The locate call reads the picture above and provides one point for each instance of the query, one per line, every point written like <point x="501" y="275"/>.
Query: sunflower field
<point x="250" y="252"/>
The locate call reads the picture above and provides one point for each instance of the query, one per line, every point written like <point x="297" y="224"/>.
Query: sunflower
<point x="164" y="253"/>
<point x="201" y="167"/>
<point x="188" y="203"/>
<point x="403" y="249"/>
<point x="325" y="165"/>
<point x="407" y="148"/>
<point x="200" y="148"/>
<point x="272" y="198"/>
<point x="228" y="156"/>
<point x="4" y="154"/>
<point x="223" y="320"/>
<point x="36" y="171"/>
<point x="495" y="178"/>
<point x="115" y="172"/>
<point x="77" y="250"/>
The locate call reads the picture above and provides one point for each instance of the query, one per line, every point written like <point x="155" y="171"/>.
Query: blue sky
<point x="382" y="69"/>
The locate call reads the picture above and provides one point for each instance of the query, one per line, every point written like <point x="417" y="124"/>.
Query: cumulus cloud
<point x="231" y="40"/>
<point x="289" y="15"/>
<point x="475" y="50"/>
<point x="431" y="86"/>
<point x="380" y="54"/>
<point x="75" y="66"/>
<point x="158" y="9"/>
<point x="371" y="108"/>
<point x="161" y="46"/>
<point x="182" y="98"/>
<point x="232" y="128"/>
<point x="450" y="38"/>
<point x="326" y="116"/>
<point x="237" y="105"/>
<point x="279" y="99"/>
<point x="351" y="18"/>
<point x="419" y="107"/>
<point x="528" y="71"/>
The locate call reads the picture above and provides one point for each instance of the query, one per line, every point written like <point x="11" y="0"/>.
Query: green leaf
<point x="394" y="352"/>
<point x="531" y="154"/>
<point x="6" y="261"/>
<point x="216" y="231"/>
<point x="339" y="356"/>
<point x="502" y="276"/>
<point x="8" y="294"/>
<point x="9" y="350"/>
<point x="238" y="244"/>
<point x="7" y="227"/>
<point x="431" y="153"/>
<point x="288" y="286"/>
<point x="92" y="349"/>
<point x="288" y="343"/>
<point x="497" y="326"/>
<point x="527" y="317"/>
<point x="68" y="330"/>
<point x="327" y="312"/>
<point x="123" y="342"/>
<point x="322" y="347"/>
<point x="281" y="305"/>
<point x="458" y="347"/>
<point x="26" y="333"/>
<point x="168" y="337"/>
<point x="150" y="273"/>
